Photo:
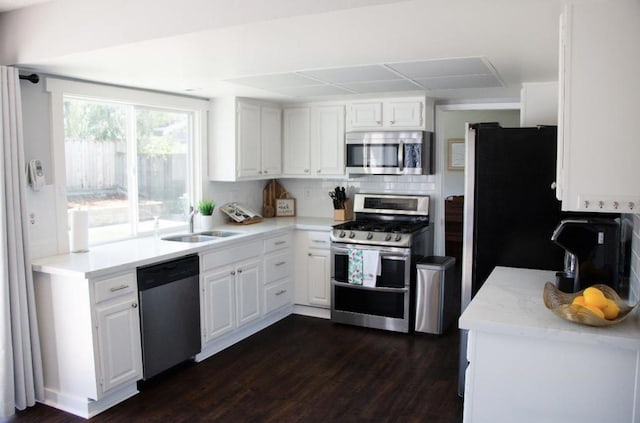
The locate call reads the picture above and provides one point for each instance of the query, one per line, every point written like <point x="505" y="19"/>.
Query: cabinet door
<point x="249" y="154"/>
<point x="403" y="114"/>
<point x="120" y="356"/>
<point x="218" y="314"/>
<point x="366" y="115"/>
<point x="318" y="277"/>
<point x="327" y="140"/>
<point x="598" y="147"/>
<point x="271" y="141"/>
<point x="297" y="142"/>
<point x="248" y="287"/>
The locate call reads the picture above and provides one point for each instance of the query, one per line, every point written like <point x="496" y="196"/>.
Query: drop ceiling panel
<point x="458" y="82"/>
<point x="352" y="74"/>
<point x="312" y="91"/>
<point x="381" y="86"/>
<point x="442" y="67"/>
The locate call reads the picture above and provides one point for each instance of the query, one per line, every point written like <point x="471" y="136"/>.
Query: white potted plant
<point x="205" y="208"/>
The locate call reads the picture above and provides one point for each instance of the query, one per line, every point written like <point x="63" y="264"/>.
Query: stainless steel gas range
<point x="373" y="261"/>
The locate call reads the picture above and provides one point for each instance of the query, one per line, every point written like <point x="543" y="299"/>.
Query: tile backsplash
<point x="312" y="195"/>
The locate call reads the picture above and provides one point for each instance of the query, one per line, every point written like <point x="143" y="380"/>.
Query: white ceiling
<point x="6" y="5"/>
<point x="462" y="49"/>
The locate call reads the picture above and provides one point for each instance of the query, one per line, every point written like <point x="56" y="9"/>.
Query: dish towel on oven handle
<point x="355" y="266"/>
<point x="371" y="267"/>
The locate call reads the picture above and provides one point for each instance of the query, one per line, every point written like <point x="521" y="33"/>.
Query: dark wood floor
<point x="301" y="369"/>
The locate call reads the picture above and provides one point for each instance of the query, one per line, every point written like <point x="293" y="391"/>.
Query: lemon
<point x="578" y="300"/>
<point x="611" y="311"/>
<point x="595" y="310"/>
<point x="594" y="297"/>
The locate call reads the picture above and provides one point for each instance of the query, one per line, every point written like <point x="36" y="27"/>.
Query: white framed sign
<point x="285" y="207"/>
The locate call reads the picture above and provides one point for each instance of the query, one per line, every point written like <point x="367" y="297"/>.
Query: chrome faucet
<point x="192" y="213"/>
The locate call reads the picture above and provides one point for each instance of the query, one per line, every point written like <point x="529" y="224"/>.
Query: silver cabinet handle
<point x="281" y="292"/>
<point x="239" y="270"/>
<point x="631" y="205"/>
<point x="134" y="305"/>
<point x="265" y="172"/>
<point x="119" y="288"/>
<point x="306" y="171"/>
<point x="280" y="242"/>
<point x="391" y="122"/>
<point x="310" y="254"/>
<point x="318" y="241"/>
<point x="319" y="170"/>
<point x="233" y="272"/>
<point x="281" y="263"/>
<point x="378" y="122"/>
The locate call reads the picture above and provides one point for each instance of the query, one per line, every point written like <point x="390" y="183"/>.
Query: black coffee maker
<point x="591" y="253"/>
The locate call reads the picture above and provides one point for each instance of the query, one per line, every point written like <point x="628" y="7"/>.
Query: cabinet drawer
<point x="318" y="239"/>
<point x="277" y="243"/>
<point x="277" y="266"/>
<point x="115" y="287"/>
<point x="226" y="256"/>
<point x="277" y="295"/>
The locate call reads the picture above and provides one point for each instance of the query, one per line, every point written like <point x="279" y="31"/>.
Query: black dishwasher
<point x="169" y="313"/>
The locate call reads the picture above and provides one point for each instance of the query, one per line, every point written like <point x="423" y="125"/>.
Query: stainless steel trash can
<point x="435" y="292"/>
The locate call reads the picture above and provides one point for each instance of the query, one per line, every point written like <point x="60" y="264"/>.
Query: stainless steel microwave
<point x="389" y="153"/>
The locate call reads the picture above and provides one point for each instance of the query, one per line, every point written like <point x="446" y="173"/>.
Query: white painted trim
<point x="438" y="223"/>
<point x="129" y="95"/>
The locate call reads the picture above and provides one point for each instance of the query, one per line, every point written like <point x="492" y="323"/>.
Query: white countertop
<point x="510" y="302"/>
<point x="127" y="255"/>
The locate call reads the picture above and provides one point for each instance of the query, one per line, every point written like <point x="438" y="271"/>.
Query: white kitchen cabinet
<point x="598" y="149"/>
<point x="245" y="140"/>
<point x="218" y="301"/>
<point x="313" y="269"/>
<point x="296" y="140"/>
<point x="231" y="292"/>
<point x="248" y="287"/>
<point x="319" y="277"/>
<point x="313" y="141"/>
<point x="90" y="340"/>
<point x="278" y="269"/>
<point x="409" y="113"/>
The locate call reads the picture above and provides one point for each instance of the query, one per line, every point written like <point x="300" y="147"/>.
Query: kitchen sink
<point x="218" y="234"/>
<point x="189" y="238"/>
<point x="200" y="236"/>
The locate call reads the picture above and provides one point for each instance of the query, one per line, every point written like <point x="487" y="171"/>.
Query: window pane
<point x="163" y="139"/>
<point x="96" y="165"/>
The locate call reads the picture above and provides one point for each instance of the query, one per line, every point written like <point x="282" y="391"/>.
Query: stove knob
<point x="342" y="234"/>
<point x="398" y="237"/>
<point x="387" y="237"/>
<point x="369" y="235"/>
<point x="352" y="234"/>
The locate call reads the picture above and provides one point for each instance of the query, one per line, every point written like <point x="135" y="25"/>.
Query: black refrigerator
<point x="510" y="206"/>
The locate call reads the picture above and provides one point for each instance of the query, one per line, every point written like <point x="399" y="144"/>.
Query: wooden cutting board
<point x="271" y="192"/>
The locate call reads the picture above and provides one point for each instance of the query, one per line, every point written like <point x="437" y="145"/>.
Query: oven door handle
<point x="369" y="288"/>
<point x="398" y="258"/>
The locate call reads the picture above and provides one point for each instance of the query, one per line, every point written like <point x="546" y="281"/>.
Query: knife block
<point x="344" y="214"/>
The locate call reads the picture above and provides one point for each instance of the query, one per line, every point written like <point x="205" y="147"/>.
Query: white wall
<point x="454" y="127"/>
<point x="539" y="104"/>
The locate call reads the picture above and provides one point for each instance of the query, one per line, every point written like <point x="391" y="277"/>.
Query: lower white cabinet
<point x="278" y="267"/>
<point x="313" y="269"/>
<point x="318" y="277"/>
<point x="90" y="340"/>
<point x="231" y="294"/>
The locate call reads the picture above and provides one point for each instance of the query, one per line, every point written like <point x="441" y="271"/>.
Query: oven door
<point x="385" y="306"/>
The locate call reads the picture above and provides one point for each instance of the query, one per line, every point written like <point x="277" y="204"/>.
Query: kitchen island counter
<point x="528" y="365"/>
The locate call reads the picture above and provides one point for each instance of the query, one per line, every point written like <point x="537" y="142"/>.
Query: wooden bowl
<point x="560" y="304"/>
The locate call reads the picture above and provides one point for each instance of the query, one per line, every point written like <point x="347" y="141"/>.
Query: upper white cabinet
<point x="245" y="140"/>
<point x="410" y="113"/>
<point x="313" y="141"/>
<point x="598" y="148"/>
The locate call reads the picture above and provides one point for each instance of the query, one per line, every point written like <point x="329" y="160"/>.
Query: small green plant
<point x="205" y="207"/>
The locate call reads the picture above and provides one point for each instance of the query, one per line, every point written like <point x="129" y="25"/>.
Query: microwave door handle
<point x="401" y="155"/>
